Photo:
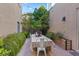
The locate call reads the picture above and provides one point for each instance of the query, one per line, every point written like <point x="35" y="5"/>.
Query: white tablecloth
<point x="35" y="40"/>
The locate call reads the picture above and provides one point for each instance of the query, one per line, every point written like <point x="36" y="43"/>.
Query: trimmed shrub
<point x="1" y="42"/>
<point x="26" y="34"/>
<point x="4" y="52"/>
<point x="14" y="42"/>
<point x="52" y="35"/>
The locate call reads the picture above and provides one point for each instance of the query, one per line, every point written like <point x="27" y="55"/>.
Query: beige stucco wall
<point x="69" y="27"/>
<point x="9" y="15"/>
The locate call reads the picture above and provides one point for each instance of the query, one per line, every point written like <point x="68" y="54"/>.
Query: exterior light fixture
<point x="64" y="19"/>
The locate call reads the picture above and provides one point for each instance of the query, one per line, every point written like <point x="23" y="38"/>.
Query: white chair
<point x="41" y="47"/>
<point x="36" y="34"/>
<point x="32" y="36"/>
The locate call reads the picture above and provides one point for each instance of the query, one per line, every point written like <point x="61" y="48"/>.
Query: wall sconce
<point x="64" y="19"/>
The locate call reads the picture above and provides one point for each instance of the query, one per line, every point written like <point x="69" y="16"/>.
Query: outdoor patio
<point x="56" y="50"/>
<point x="33" y="46"/>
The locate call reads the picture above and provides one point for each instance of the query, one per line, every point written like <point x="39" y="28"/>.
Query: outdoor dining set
<point x="40" y="43"/>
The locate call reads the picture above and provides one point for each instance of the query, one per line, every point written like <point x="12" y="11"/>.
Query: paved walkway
<point x="57" y="51"/>
<point x="74" y="53"/>
<point x="25" y="51"/>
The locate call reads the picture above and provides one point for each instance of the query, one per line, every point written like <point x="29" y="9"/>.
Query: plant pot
<point x="60" y="42"/>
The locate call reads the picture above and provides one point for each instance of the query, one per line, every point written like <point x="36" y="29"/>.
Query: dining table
<point x="35" y="40"/>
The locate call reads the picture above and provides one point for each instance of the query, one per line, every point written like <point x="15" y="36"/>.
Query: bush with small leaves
<point x="1" y="42"/>
<point x="4" y="52"/>
<point x="52" y="35"/>
<point x="14" y="42"/>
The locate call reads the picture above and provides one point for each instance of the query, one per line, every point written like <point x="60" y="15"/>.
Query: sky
<point x="29" y="7"/>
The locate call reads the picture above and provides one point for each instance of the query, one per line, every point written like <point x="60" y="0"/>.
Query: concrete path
<point x="26" y="50"/>
<point x="74" y="53"/>
<point x="57" y="51"/>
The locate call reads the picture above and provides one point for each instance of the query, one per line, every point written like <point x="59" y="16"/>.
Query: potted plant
<point x="52" y="36"/>
<point x="61" y="40"/>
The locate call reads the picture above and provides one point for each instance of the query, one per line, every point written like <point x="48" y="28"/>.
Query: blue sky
<point x="29" y="7"/>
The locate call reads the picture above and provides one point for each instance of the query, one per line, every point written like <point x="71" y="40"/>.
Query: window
<point x="18" y="27"/>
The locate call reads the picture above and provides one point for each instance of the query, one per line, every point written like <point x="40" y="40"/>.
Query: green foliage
<point x="36" y="24"/>
<point x="39" y="13"/>
<point x="60" y="35"/>
<point x="26" y="21"/>
<point x="1" y="42"/>
<point x="52" y="35"/>
<point x="36" y="21"/>
<point x="40" y="19"/>
<point x="4" y="52"/>
<point x="14" y="42"/>
<point x="26" y="34"/>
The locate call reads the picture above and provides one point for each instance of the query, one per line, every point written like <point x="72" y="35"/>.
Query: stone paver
<point x="57" y="51"/>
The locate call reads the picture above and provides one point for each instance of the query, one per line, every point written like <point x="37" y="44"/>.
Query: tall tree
<point x="26" y="18"/>
<point x="40" y="19"/>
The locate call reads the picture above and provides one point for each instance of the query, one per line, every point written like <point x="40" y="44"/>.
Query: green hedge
<point x="3" y="51"/>
<point x="14" y="42"/>
<point x="1" y="42"/>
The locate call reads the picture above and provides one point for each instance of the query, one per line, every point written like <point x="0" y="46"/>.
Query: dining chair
<point x="32" y="36"/>
<point x="41" y="47"/>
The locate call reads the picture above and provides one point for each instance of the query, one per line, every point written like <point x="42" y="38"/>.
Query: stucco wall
<point x="9" y="15"/>
<point x="69" y="27"/>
